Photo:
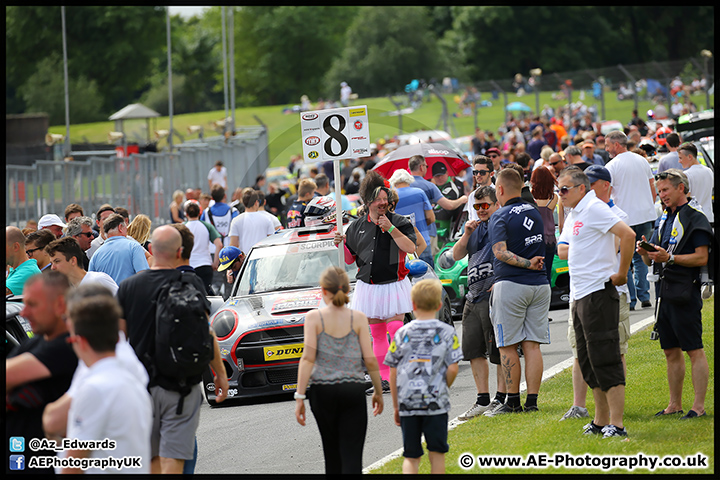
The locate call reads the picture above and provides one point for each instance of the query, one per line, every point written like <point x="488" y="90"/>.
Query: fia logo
<point x="528" y="223"/>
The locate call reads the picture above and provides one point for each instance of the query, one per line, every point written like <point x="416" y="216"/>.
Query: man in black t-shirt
<point x="40" y="370"/>
<point x="173" y="437"/>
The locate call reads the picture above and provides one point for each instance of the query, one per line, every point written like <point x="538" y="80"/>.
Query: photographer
<point x="681" y="244"/>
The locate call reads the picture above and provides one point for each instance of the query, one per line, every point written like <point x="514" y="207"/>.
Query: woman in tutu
<point x="378" y="242"/>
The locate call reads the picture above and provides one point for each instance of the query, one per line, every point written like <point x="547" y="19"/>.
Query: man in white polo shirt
<point x="588" y="243"/>
<point x="701" y="178"/>
<point x="633" y="190"/>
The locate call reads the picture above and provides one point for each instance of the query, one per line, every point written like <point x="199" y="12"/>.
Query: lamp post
<point x="707" y="55"/>
<point x="66" y="149"/>
<point x="535" y="75"/>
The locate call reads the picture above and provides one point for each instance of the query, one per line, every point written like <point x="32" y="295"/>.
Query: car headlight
<point x="224" y="324"/>
<point x="446" y="260"/>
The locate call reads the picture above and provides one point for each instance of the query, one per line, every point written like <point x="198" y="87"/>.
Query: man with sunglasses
<point x="588" y="243"/>
<point x="633" y="190"/>
<point x="556" y="163"/>
<point x="496" y="157"/>
<point x="80" y="228"/>
<point x="681" y="242"/>
<point x="483" y="174"/>
<point x="21" y="266"/>
<point x="478" y="340"/>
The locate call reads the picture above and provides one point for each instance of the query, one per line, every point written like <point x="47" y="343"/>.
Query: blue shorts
<point x="435" y="429"/>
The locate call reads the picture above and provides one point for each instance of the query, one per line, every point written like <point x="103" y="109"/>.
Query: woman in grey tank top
<point x="337" y="341"/>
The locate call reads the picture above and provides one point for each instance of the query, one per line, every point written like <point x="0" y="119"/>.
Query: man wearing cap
<point x="414" y="204"/>
<point x="600" y="180"/>
<point x="634" y="192"/>
<point x="589" y="244"/>
<point x="451" y="189"/>
<point x="589" y="155"/>
<point x="21" y="266"/>
<point x="231" y="260"/>
<point x="53" y="223"/>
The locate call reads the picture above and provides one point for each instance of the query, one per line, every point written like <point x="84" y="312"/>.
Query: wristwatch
<point x="300" y="396"/>
<point x="671" y="260"/>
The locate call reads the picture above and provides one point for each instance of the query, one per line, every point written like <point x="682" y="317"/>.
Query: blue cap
<point x="227" y="256"/>
<point x="598" y="172"/>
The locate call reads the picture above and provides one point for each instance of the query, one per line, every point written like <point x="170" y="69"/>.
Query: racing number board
<point x="335" y="134"/>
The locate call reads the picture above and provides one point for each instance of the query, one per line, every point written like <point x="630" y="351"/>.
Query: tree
<point x="386" y="48"/>
<point x="112" y="45"/>
<point x="45" y="92"/>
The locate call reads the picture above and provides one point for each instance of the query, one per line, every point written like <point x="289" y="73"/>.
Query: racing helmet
<point x="649" y="147"/>
<point x="320" y="210"/>
<point x="661" y="134"/>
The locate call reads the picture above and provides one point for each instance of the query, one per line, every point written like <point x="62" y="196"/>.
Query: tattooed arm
<point x="504" y="255"/>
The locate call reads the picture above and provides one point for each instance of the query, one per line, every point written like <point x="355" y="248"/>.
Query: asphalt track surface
<point x="263" y="437"/>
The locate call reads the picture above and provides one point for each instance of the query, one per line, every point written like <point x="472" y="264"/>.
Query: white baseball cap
<point x="50" y="219"/>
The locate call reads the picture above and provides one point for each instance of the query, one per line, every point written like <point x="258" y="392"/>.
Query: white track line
<point x="549" y="373"/>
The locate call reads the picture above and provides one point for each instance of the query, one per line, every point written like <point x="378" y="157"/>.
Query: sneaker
<point x="706" y="291"/>
<point x="532" y="408"/>
<point x="646" y="304"/>
<point x="474" y="411"/>
<point x="575" y="412"/>
<point x="592" y="429"/>
<point x="385" y="388"/>
<point x="505" y="408"/>
<point x="613" y="431"/>
<point x="494" y="405"/>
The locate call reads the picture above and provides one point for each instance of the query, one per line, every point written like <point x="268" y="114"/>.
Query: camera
<point x="654" y="335"/>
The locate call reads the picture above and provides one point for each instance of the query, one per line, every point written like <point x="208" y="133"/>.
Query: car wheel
<point x="446" y="313"/>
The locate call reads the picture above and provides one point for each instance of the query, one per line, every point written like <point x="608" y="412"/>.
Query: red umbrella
<point x="433" y="152"/>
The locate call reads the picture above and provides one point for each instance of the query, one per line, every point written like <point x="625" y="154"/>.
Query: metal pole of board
<point x="338" y="211"/>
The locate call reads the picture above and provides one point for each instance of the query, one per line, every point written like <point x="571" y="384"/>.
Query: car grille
<point x="273" y="336"/>
<point x="282" y="375"/>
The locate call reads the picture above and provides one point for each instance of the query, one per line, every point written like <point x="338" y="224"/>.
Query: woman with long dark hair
<point x="542" y="187"/>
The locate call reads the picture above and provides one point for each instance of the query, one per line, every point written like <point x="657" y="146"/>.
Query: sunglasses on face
<point x="481" y="206"/>
<point x="493" y="155"/>
<point x="29" y="253"/>
<point x="480" y="172"/>
<point x="555" y="163"/>
<point x="565" y="190"/>
<point x="87" y="234"/>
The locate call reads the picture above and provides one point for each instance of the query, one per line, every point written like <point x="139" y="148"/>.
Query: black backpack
<point x="183" y="342"/>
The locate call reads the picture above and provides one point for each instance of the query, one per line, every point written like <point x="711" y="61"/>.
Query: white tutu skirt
<point x="382" y="301"/>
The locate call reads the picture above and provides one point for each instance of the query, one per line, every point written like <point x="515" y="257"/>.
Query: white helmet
<point x="320" y="210"/>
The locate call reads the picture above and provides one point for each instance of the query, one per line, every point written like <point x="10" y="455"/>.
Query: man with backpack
<point x="166" y="316"/>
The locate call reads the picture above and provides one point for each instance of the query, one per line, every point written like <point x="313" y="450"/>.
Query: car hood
<point x="260" y="311"/>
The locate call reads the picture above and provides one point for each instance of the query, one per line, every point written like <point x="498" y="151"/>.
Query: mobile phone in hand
<point x="647" y="247"/>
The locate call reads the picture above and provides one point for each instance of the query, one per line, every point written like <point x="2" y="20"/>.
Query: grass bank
<point x="542" y="433"/>
<point x="284" y="129"/>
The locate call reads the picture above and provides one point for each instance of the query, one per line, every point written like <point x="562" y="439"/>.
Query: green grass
<point x="284" y="130"/>
<point x="646" y="393"/>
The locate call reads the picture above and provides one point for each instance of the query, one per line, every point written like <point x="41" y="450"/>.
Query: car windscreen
<point x="287" y="267"/>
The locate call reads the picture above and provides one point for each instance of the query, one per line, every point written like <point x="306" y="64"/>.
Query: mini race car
<point x="260" y="327"/>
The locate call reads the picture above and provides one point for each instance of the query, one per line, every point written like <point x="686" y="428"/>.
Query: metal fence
<point x="142" y="183"/>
